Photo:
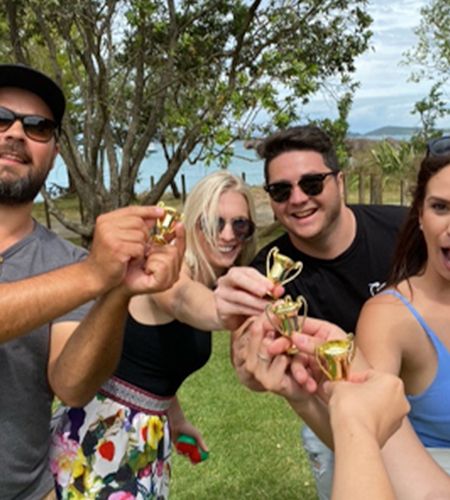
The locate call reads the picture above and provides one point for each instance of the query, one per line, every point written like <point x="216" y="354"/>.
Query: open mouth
<point x="226" y="249"/>
<point x="304" y="214"/>
<point x="13" y="157"/>
<point x="446" y="253"/>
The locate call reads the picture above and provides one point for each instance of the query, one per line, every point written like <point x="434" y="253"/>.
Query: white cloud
<point x="385" y="96"/>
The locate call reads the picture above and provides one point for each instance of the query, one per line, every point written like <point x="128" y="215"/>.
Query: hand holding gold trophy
<point x="287" y="321"/>
<point x="334" y="357"/>
<point x="281" y="269"/>
<point x="165" y="227"/>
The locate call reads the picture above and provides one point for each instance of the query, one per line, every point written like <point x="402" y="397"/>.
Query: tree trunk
<point x="175" y="191"/>
<point x="376" y="194"/>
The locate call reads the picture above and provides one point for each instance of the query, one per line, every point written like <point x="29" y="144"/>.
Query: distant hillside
<point x="392" y="131"/>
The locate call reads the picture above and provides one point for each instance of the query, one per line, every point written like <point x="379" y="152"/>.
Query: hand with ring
<point x="304" y="367"/>
<point x="261" y="369"/>
<point x="263" y="357"/>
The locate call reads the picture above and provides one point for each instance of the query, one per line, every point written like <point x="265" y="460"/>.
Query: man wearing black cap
<point x="46" y="347"/>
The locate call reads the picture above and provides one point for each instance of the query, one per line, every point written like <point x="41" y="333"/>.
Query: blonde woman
<point x="120" y="441"/>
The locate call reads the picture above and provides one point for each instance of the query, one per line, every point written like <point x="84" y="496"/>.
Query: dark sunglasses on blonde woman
<point x="37" y="128"/>
<point x="242" y="227"/>
<point x="310" y="184"/>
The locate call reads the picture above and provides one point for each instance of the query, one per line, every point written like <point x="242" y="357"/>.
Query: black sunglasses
<point x="36" y="128"/>
<point x="242" y="227"/>
<point x="310" y="184"/>
<point x="440" y="146"/>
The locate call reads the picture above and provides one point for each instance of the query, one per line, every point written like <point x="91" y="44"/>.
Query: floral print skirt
<point x="117" y="447"/>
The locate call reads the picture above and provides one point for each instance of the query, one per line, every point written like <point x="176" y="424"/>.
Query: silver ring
<point x="263" y="358"/>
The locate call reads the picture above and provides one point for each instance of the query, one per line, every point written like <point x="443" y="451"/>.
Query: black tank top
<point x="158" y="358"/>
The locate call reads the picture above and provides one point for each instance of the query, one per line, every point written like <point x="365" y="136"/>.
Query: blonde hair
<point x="203" y="203"/>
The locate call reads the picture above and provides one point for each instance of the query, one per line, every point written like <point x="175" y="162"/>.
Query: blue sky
<point x="385" y="96"/>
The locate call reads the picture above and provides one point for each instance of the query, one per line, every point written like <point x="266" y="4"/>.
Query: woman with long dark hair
<point x="405" y="330"/>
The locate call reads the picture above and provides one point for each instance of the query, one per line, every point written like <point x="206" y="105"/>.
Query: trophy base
<point x="292" y="351"/>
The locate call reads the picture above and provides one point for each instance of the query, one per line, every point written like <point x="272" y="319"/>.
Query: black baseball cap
<point x="24" y="77"/>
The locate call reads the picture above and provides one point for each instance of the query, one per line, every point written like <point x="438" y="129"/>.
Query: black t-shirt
<point x="158" y="358"/>
<point x="336" y="289"/>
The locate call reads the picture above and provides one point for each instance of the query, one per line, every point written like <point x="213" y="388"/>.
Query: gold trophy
<point x="288" y="321"/>
<point x="335" y="356"/>
<point x="164" y="227"/>
<point x="281" y="269"/>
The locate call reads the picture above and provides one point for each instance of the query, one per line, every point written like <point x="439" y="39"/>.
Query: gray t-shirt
<point x="25" y="396"/>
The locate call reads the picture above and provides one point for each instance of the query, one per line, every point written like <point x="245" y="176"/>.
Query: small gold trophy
<point x="288" y="321"/>
<point x="335" y="356"/>
<point x="164" y="227"/>
<point x="281" y="269"/>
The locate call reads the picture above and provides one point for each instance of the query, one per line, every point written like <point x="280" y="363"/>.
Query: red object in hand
<point x="187" y="445"/>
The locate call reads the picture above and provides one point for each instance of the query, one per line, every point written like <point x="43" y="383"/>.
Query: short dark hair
<point x="299" y="138"/>
<point x="27" y="78"/>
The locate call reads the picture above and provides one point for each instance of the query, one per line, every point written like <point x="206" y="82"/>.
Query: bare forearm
<point x="195" y="305"/>
<point x="175" y="412"/>
<point x="412" y="470"/>
<point x="30" y="303"/>
<point x="315" y="414"/>
<point x="359" y="470"/>
<point x="92" y="352"/>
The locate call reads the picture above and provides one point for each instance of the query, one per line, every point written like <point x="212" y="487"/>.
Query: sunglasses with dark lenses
<point x="439" y="146"/>
<point x="242" y="227"/>
<point x="310" y="184"/>
<point x="36" y="128"/>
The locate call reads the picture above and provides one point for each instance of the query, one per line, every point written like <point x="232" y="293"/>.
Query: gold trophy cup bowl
<point x="165" y="227"/>
<point x="287" y="319"/>
<point x="335" y="356"/>
<point x="281" y="269"/>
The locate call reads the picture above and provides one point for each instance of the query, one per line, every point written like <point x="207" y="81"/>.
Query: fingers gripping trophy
<point x="334" y="356"/>
<point x="283" y="314"/>
<point x="164" y="228"/>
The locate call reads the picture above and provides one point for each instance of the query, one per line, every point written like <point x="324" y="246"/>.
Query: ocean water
<point x="244" y="161"/>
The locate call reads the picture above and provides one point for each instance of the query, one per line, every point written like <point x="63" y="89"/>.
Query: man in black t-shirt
<point x="345" y="251"/>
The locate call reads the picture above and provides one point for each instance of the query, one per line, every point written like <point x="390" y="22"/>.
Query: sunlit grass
<point x="254" y="442"/>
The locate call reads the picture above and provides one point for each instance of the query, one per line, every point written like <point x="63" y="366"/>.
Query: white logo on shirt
<point x="375" y="287"/>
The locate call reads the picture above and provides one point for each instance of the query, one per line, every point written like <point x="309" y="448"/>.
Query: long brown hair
<point x="411" y="253"/>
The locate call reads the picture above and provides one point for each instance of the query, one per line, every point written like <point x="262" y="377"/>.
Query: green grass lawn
<point x="253" y="438"/>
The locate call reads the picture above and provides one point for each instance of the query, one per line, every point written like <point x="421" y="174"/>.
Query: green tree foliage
<point x="430" y="109"/>
<point x="338" y="128"/>
<point x="430" y="59"/>
<point x="191" y="74"/>
<point x="390" y="160"/>
<point x="393" y="160"/>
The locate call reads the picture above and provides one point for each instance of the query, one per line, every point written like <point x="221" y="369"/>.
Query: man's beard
<point x="23" y="190"/>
